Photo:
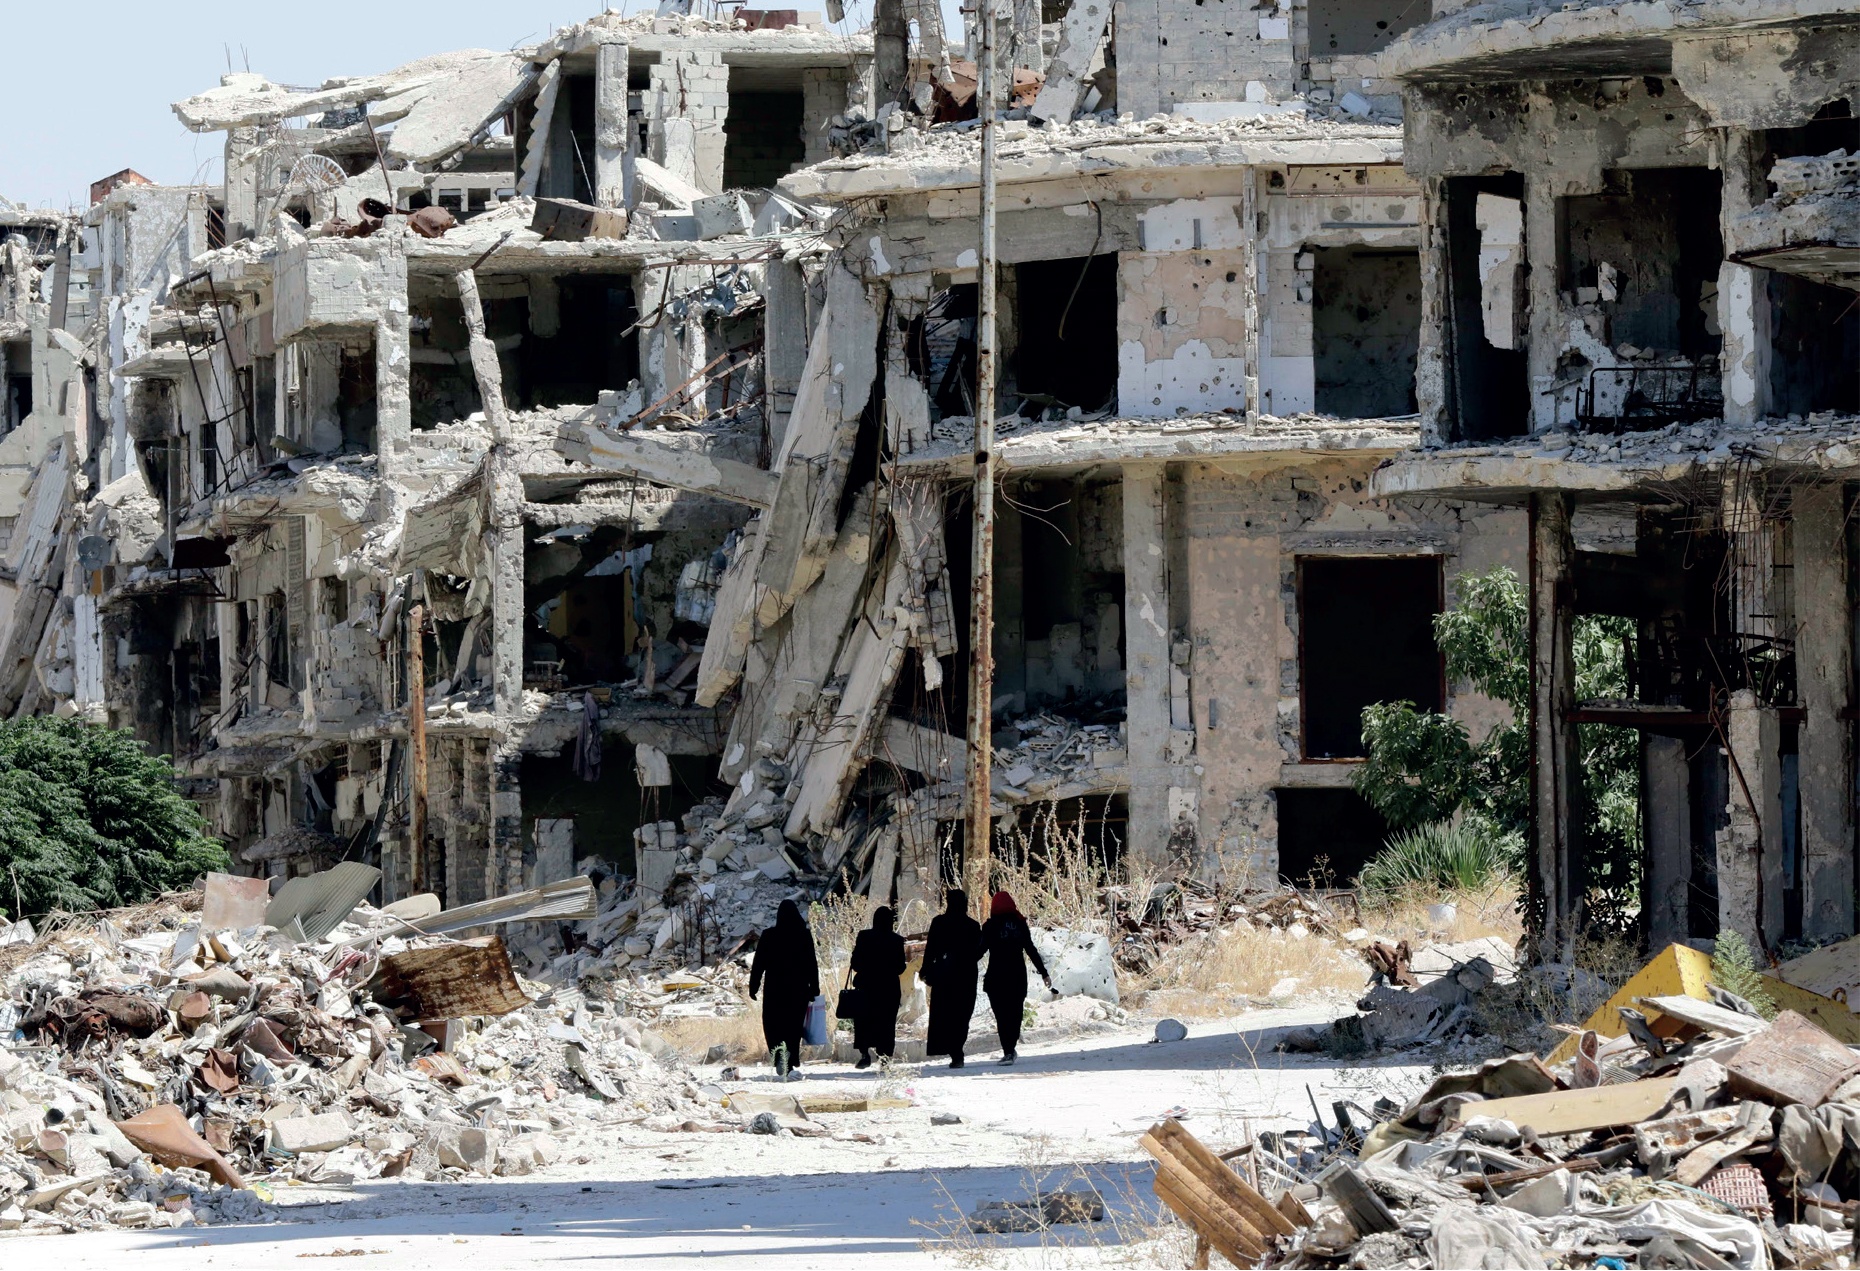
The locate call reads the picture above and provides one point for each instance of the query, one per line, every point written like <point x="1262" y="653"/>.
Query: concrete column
<point x="610" y="123"/>
<point x="785" y="334"/>
<point x="1666" y="817"/>
<point x="507" y="817"/>
<point x="393" y="378"/>
<point x="1743" y="291"/>
<point x="1146" y="663"/>
<point x="1027" y="50"/>
<point x="1540" y="247"/>
<point x="1750" y="874"/>
<point x="1556" y="775"/>
<point x="507" y="607"/>
<point x="241" y="183"/>
<point x="1824" y="684"/>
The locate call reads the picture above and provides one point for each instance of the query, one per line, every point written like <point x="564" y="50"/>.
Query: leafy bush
<point x="1439" y="857"/>
<point x="1425" y="767"/>
<point x="89" y="820"/>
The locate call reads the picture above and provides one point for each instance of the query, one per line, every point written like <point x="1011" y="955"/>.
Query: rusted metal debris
<point x="472" y="977"/>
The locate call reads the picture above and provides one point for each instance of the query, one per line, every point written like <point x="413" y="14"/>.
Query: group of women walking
<point x="787" y="975"/>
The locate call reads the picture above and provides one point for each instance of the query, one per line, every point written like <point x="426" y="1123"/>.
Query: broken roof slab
<point x="952" y="161"/>
<point x="1522" y="41"/>
<point x="1073" y="444"/>
<point x="1653" y="465"/>
<point x="1814" y="235"/>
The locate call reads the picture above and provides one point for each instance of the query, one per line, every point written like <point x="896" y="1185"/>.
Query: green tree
<point x="1425" y="767"/>
<point x="90" y="820"/>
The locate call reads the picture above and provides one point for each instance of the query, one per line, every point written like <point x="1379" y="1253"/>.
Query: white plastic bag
<point x="814" y="1031"/>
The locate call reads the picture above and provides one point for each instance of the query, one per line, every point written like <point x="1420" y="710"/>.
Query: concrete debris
<point x="1643" y="1170"/>
<point x="328" y="1066"/>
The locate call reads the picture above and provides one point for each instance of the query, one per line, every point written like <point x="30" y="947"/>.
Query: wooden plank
<point x="1171" y="1161"/>
<point x="1706" y="1015"/>
<point x="1574" y="1111"/>
<point x="1198" y="1207"/>
<point x="1365" y="1210"/>
<point x="1261" y="1214"/>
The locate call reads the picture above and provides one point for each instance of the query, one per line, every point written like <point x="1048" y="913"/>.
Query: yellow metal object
<point x="1679" y="969"/>
<point x="1841" y="1024"/>
<point x="1676" y="969"/>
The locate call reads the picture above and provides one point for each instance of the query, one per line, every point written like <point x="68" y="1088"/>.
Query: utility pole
<point x="416" y="728"/>
<point x="979" y="832"/>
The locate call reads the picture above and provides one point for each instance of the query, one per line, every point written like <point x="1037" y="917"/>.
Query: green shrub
<point x="1442" y="856"/>
<point x="1734" y="969"/>
<point x="90" y="820"/>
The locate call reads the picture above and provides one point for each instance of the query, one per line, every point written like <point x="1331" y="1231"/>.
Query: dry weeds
<point x="1492" y="912"/>
<point x="693" y="1036"/>
<point x="1137" y="1231"/>
<point x="1222" y="972"/>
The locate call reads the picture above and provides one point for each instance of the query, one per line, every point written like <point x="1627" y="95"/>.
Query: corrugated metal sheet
<point x="320" y="901"/>
<point x="451" y="981"/>
<point x="568" y="899"/>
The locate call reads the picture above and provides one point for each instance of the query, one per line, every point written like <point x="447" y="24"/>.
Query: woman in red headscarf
<point x="1008" y="942"/>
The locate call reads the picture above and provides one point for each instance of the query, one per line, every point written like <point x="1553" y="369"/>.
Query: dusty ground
<point x="1072" y="1107"/>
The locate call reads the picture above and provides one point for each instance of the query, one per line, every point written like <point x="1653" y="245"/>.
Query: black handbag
<point x="849" y="1003"/>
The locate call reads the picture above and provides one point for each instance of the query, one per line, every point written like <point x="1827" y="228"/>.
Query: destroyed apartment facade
<point x="1640" y="332"/>
<point x="635" y="428"/>
<point x="619" y="391"/>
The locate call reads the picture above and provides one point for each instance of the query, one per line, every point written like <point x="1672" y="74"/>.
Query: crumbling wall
<point x="1178" y="54"/>
<point x="687" y="100"/>
<point x="1564" y="138"/>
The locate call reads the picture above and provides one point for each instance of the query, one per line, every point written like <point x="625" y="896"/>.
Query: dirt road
<point x="1070" y="1110"/>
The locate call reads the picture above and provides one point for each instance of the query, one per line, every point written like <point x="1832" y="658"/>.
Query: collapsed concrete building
<point x="618" y="392"/>
<point x="610" y="457"/>
<point x="1639" y="310"/>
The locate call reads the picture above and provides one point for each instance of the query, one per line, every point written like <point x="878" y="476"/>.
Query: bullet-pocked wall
<point x="1248" y="527"/>
<point x="1219" y="51"/>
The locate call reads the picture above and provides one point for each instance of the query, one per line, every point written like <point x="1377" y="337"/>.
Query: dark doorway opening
<point x="1365" y="329"/>
<point x="1066" y="314"/>
<point x="592" y="349"/>
<point x="1326" y="836"/>
<point x="1488" y="386"/>
<point x="1366" y="635"/>
<point x="1815" y="346"/>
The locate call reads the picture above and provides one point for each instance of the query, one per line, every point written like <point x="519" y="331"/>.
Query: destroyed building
<point x="619" y="390"/>
<point x="557" y="382"/>
<point x="1639" y="331"/>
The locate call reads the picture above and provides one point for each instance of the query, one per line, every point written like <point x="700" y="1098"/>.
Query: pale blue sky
<point x="87" y="86"/>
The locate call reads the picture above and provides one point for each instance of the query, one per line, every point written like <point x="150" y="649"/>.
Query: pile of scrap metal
<point x="165" y="1065"/>
<point x="1677" y="1129"/>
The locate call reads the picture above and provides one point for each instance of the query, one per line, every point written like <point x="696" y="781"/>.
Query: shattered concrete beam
<point x="1080" y="34"/>
<point x="692" y="470"/>
<point x="484" y="364"/>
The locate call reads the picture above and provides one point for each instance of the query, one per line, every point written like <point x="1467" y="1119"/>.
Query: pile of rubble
<point x="162" y="1066"/>
<point x="1704" y="1135"/>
